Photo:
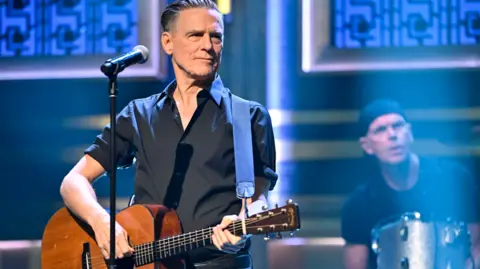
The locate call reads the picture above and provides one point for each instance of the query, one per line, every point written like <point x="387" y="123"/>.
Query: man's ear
<point x="167" y="43"/>
<point x="365" y="144"/>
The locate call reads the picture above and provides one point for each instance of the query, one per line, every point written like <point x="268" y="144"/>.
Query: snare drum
<point x="408" y="242"/>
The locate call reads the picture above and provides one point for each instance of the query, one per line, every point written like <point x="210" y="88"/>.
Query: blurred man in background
<point x="398" y="181"/>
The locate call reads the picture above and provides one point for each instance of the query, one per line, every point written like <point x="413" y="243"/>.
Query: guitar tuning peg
<point x="289" y="201"/>
<point x="292" y="234"/>
<point x="279" y="235"/>
<point x="264" y="207"/>
<point x="276" y="205"/>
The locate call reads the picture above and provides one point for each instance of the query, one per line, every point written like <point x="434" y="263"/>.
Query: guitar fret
<point x="167" y="249"/>
<point x="174" y="244"/>
<point x="141" y="254"/>
<point x="156" y="250"/>
<point x="203" y="239"/>
<point x="184" y="245"/>
<point x="151" y="249"/>
<point x="195" y="239"/>
<point x="144" y="253"/>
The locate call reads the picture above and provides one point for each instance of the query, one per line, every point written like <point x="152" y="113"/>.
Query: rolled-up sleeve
<point x="124" y="150"/>
<point x="264" y="155"/>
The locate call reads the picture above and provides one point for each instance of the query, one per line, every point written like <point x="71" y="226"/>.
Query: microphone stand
<point x="111" y="68"/>
<point x="112" y="90"/>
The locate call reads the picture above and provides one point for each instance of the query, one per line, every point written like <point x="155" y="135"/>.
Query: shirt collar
<point x="215" y="90"/>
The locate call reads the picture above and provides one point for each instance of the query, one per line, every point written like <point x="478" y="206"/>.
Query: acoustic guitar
<point x="154" y="233"/>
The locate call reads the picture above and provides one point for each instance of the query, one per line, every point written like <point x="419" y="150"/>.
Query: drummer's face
<point x="388" y="138"/>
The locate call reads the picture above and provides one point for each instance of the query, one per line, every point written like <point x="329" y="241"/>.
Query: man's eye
<point x="398" y="125"/>
<point x="379" y="130"/>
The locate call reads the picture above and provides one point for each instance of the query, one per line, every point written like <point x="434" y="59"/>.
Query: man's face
<point x="195" y="42"/>
<point x="389" y="138"/>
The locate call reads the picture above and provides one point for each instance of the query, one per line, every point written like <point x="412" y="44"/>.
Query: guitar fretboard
<point x="176" y="245"/>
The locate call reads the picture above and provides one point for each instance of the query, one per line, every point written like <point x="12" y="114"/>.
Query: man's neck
<point x="188" y="88"/>
<point x="402" y="176"/>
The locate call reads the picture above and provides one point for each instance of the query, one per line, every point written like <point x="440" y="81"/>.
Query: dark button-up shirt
<point x="191" y="170"/>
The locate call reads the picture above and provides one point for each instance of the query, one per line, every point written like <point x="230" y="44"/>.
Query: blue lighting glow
<point x="279" y="80"/>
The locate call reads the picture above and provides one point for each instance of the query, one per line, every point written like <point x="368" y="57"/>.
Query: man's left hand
<point x="224" y="240"/>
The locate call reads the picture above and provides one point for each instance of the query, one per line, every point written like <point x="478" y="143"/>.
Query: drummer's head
<point x="385" y="132"/>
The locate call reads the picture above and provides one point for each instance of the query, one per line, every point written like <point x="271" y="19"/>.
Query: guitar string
<point x="170" y="243"/>
<point x="147" y="252"/>
<point x="144" y="252"/>
<point x="149" y="249"/>
<point x="147" y="256"/>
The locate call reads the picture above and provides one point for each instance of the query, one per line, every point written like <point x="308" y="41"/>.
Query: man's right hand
<point x="101" y="227"/>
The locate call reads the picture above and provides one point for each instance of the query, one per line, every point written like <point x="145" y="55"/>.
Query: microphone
<point x="114" y="66"/>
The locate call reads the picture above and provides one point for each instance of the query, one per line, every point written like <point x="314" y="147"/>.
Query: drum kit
<point x="409" y="241"/>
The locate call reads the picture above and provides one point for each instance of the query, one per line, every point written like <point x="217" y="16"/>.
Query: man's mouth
<point x="396" y="149"/>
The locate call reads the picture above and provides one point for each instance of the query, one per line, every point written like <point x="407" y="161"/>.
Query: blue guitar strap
<point x="243" y="147"/>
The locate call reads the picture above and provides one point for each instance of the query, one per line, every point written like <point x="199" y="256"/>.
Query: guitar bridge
<point x="86" y="257"/>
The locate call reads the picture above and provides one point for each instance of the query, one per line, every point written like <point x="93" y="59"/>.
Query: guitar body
<point x="154" y="232"/>
<point x="69" y="243"/>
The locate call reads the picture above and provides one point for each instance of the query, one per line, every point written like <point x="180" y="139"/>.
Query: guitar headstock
<point x="279" y="219"/>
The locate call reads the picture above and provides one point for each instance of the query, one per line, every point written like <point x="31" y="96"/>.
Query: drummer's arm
<point x="355" y="256"/>
<point x="355" y="231"/>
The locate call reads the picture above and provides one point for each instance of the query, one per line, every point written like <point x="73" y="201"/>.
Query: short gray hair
<point x="172" y="10"/>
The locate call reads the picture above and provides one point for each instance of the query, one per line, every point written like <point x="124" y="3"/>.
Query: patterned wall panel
<point x="71" y="38"/>
<point x="405" y="23"/>
<point x="65" y="28"/>
<point x="340" y="35"/>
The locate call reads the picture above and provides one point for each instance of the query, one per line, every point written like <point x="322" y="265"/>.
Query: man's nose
<point x="392" y="133"/>
<point x="207" y="42"/>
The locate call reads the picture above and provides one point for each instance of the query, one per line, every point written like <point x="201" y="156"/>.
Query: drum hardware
<point x="410" y="241"/>
<point x="404" y="233"/>
<point x="451" y="235"/>
<point x="375" y="248"/>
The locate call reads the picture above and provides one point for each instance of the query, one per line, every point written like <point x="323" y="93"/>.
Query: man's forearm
<point x="80" y="198"/>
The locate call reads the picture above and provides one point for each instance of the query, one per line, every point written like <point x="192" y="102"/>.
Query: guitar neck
<point x="276" y="220"/>
<point x="176" y="245"/>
